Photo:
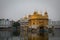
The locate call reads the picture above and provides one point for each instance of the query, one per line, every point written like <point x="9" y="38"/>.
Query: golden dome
<point x="29" y="15"/>
<point x="46" y="14"/>
<point x="35" y="12"/>
<point x="25" y="17"/>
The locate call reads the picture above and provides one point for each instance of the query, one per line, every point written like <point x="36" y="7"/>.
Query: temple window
<point x="33" y="23"/>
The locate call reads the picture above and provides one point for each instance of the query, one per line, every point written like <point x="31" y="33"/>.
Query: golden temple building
<point x="37" y="19"/>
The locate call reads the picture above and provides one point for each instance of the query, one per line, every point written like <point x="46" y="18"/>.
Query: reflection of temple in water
<point x="35" y="36"/>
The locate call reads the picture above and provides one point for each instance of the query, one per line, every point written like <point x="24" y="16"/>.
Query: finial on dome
<point x="35" y="10"/>
<point x="45" y="12"/>
<point x="40" y="12"/>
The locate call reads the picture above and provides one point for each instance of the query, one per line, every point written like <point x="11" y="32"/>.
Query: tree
<point x="16" y="26"/>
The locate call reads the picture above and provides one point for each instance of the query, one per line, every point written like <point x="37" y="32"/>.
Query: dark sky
<point x="16" y="9"/>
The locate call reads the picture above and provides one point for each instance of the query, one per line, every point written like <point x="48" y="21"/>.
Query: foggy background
<point x="16" y="9"/>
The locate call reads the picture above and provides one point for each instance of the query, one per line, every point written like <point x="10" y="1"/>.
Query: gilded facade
<point x="37" y="19"/>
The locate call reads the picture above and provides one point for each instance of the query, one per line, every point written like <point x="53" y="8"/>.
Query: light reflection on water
<point x="34" y="36"/>
<point x="37" y="36"/>
<point x="27" y="35"/>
